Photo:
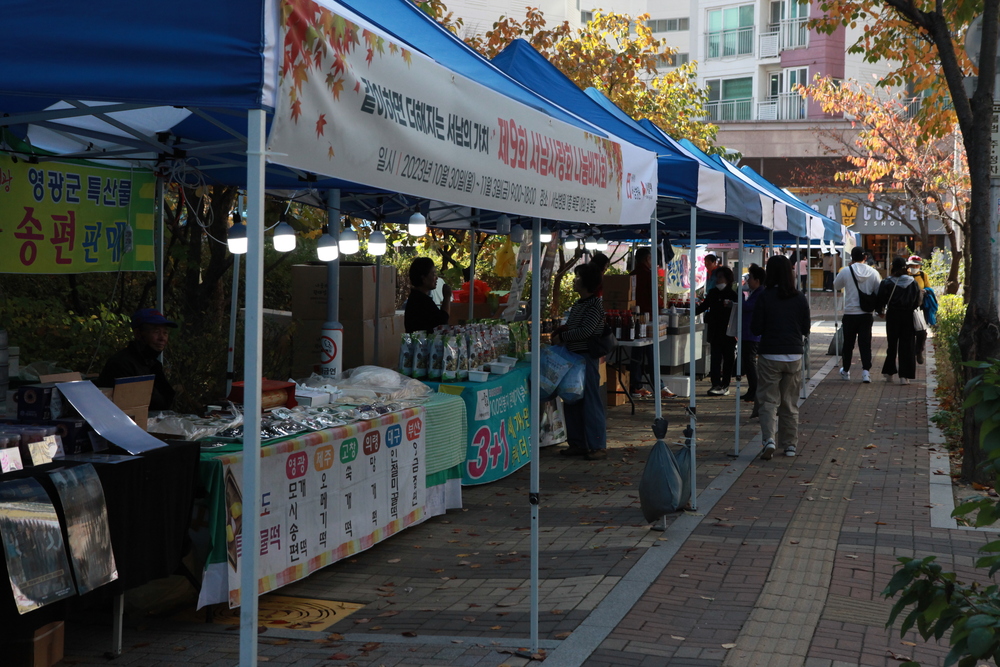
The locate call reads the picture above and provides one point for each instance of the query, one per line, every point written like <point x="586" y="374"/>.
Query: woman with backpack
<point x="898" y="297"/>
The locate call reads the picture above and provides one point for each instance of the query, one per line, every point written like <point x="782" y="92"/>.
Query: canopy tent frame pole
<point x="738" y="279"/>
<point x="536" y="401"/>
<point x="252" y="362"/>
<point x="806" y="356"/>
<point x="802" y="362"/>
<point x="692" y="400"/>
<point x="655" y="323"/>
<point x="333" y="330"/>
<point x="234" y="311"/>
<point x="376" y="339"/>
<point x="160" y="267"/>
<point x="473" y="226"/>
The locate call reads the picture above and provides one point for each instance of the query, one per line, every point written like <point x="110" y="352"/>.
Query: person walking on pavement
<point x="781" y="318"/>
<point x="857" y="322"/>
<point x="719" y="302"/>
<point x="898" y="297"/>
<point x="913" y="268"/>
<point x="748" y="347"/>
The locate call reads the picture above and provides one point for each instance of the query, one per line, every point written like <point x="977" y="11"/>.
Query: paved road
<point x="782" y="563"/>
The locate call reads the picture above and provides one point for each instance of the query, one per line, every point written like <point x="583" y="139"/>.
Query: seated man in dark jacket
<point x="141" y="357"/>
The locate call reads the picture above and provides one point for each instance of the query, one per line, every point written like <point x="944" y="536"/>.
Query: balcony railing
<point x="786" y="106"/>
<point x="729" y="43"/>
<point x="783" y="36"/>
<point x="722" y="110"/>
<point x="911" y="106"/>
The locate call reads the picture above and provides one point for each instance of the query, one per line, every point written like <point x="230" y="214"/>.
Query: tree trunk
<point x="957" y="257"/>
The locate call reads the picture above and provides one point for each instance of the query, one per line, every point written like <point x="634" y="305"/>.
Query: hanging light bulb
<point x="417" y="225"/>
<point x="516" y="234"/>
<point x="571" y="243"/>
<point x="284" y="236"/>
<point x="546" y="235"/>
<point x="326" y="249"/>
<point x="236" y="239"/>
<point x="503" y="224"/>
<point x="590" y="243"/>
<point x="349" y="243"/>
<point x="602" y="244"/>
<point x="376" y="243"/>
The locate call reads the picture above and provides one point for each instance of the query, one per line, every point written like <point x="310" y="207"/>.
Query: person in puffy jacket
<point x="898" y="297"/>
<point x="719" y="302"/>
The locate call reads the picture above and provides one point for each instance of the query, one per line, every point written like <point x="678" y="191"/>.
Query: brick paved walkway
<point x="782" y="563"/>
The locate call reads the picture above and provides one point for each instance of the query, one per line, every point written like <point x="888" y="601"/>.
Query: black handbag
<point x="868" y="302"/>
<point x="602" y="344"/>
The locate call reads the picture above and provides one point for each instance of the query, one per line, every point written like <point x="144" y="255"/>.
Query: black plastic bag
<point x="662" y="484"/>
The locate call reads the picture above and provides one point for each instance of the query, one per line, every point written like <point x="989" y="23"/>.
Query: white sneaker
<point x="790" y="450"/>
<point x="866" y="376"/>
<point x="904" y="380"/>
<point x="845" y="374"/>
<point x="768" y="452"/>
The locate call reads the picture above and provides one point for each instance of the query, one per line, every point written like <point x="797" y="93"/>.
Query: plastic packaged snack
<point x="450" y="366"/>
<point x="406" y="355"/>
<point x="421" y="355"/>
<point x="436" y="363"/>
<point x="463" y="356"/>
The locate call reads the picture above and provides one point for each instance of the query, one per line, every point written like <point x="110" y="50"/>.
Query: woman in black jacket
<point x="898" y="297"/>
<point x="781" y="319"/>
<point x="719" y="303"/>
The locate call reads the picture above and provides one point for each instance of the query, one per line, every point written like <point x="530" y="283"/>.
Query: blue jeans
<point x="586" y="427"/>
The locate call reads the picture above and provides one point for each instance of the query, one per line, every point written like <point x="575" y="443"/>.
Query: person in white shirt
<point x="857" y="322"/>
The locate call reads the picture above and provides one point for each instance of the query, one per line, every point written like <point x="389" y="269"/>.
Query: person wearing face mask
<point x="898" y="297"/>
<point x="718" y="303"/>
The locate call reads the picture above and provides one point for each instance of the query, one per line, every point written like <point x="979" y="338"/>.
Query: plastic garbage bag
<point x="661" y="485"/>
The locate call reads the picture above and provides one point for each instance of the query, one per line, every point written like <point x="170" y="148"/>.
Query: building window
<point x="730" y="32"/>
<point x="782" y="101"/>
<point x="672" y="60"/>
<point x="586" y="17"/>
<point x="668" y="25"/>
<point x="730" y="99"/>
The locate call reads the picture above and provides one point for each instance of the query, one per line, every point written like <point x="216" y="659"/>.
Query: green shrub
<point x="950" y="315"/>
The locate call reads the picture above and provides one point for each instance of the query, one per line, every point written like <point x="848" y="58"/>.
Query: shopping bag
<point x="553" y="367"/>
<point x="919" y="324"/>
<point x="733" y="329"/>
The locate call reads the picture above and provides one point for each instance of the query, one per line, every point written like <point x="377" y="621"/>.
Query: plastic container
<point x="31" y="434"/>
<point x="478" y="376"/>
<point x="499" y="369"/>
<point x="11" y="438"/>
<point x="510" y="361"/>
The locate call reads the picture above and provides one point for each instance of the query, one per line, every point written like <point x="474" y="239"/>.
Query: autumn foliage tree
<point x="890" y="156"/>
<point x="925" y="42"/>
<point x="614" y="53"/>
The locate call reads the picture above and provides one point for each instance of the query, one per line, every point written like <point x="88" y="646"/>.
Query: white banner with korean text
<point x="354" y="104"/>
<point x="328" y="495"/>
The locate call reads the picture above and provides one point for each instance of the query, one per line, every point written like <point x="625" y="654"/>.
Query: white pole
<point x="692" y="423"/>
<point x="655" y="319"/>
<point x="738" y="279"/>
<point x="332" y="336"/>
<point x="472" y="265"/>
<point x="234" y="309"/>
<point x="536" y="401"/>
<point x="252" y="362"/>
<point x="160" y="267"/>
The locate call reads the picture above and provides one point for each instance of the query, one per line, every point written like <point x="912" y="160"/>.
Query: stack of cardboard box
<point x="357" y="315"/>
<point x="619" y="292"/>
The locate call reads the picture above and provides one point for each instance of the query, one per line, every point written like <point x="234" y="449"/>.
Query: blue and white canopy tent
<point x="129" y="82"/>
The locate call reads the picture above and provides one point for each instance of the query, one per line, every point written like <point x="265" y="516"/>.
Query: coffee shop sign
<point x="870" y="218"/>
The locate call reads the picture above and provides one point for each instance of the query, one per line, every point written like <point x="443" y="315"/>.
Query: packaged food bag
<point x="449" y="370"/>
<point x="421" y="355"/>
<point x="463" y="357"/>
<point x="406" y="355"/>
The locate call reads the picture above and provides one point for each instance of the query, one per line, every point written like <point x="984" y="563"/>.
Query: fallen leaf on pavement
<point x="729" y="646"/>
<point x="680" y="639"/>
<point x="409" y="633"/>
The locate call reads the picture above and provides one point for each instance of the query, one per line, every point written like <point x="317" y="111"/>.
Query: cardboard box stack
<point x="619" y="292"/>
<point x="357" y="315"/>
<point x="616" y="380"/>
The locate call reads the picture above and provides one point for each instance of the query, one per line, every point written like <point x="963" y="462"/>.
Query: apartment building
<point x="750" y="56"/>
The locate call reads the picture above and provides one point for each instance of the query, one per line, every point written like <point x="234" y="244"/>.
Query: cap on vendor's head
<point x="914" y="260"/>
<point x="150" y="316"/>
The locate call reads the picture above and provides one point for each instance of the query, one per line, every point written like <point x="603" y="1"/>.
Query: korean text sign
<point x="59" y="217"/>
<point x="330" y="494"/>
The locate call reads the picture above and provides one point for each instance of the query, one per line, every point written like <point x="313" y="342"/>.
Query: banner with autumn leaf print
<point x="354" y="104"/>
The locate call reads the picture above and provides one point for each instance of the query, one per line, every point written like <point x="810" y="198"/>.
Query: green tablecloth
<point x="446" y="438"/>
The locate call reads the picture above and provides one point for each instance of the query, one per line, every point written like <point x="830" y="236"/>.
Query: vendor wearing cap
<point x="142" y="357"/>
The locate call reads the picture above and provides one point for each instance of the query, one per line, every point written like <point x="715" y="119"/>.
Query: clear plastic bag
<point x="382" y="381"/>
<point x="571" y="386"/>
